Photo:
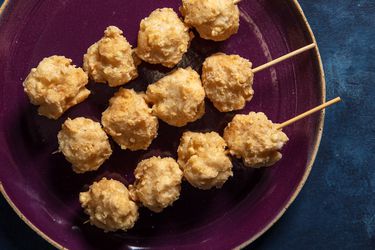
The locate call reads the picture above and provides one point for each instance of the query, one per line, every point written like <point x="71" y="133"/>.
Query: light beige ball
<point x="109" y="206"/>
<point x="255" y="139"/>
<point x="84" y="144"/>
<point x="157" y="183"/>
<point x="56" y="85"/>
<point x="111" y="59"/>
<point x="228" y="81"/>
<point x="204" y="160"/>
<point x="177" y="98"/>
<point x="215" y="20"/>
<point x="163" y="38"/>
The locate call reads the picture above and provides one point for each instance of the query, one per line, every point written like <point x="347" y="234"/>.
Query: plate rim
<point x="294" y="195"/>
<point x="318" y="136"/>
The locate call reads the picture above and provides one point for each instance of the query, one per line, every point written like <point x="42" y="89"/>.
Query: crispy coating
<point x="177" y="98"/>
<point x="228" y="80"/>
<point x="111" y="59"/>
<point x="129" y="121"/>
<point x="56" y="85"/>
<point x="204" y="160"/>
<point x="157" y="183"/>
<point x="109" y="206"/>
<point x="163" y="38"/>
<point x="215" y="20"/>
<point x="255" y="139"/>
<point x="84" y="144"/>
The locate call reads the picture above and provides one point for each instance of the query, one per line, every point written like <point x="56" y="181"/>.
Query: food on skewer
<point x="109" y="206"/>
<point x="252" y="137"/>
<point x="56" y="85"/>
<point x="84" y="144"/>
<point x="157" y="183"/>
<point x="111" y="59"/>
<point x="255" y="139"/>
<point x="204" y="160"/>
<point x="177" y="98"/>
<point x="213" y="19"/>
<point x="227" y="81"/>
<point x="129" y="121"/>
<point x="163" y="38"/>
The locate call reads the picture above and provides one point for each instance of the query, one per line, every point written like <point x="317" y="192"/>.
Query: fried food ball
<point x="109" y="206"/>
<point x="56" y="85"/>
<point x="255" y="139"/>
<point x="227" y="80"/>
<point x="204" y="160"/>
<point x="111" y="59"/>
<point x="157" y="183"/>
<point x="177" y="98"/>
<point x="84" y="144"/>
<point x="163" y="38"/>
<point x="129" y="121"/>
<point x="215" y="20"/>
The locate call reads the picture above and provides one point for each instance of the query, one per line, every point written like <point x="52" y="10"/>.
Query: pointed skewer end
<point x="309" y="112"/>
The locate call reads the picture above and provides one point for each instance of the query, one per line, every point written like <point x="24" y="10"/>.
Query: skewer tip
<point x="284" y="57"/>
<point x="309" y="112"/>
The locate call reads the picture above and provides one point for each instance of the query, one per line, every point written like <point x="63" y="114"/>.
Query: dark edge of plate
<point x="318" y="136"/>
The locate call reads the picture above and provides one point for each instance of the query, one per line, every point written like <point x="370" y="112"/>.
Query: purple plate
<point x="43" y="189"/>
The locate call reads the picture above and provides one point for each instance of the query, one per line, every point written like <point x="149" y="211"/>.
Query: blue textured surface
<point x="336" y="208"/>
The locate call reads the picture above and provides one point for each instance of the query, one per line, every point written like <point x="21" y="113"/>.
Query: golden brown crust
<point x="163" y="38"/>
<point x="84" y="144"/>
<point x="177" y="98"/>
<point x="215" y="20"/>
<point x="157" y="183"/>
<point x="109" y="206"/>
<point x="255" y="139"/>
<point x="227" y="81"/>
<point x="111" y="59"/>
<point x="204" y="160"/>
<point x="56" y="85"/>
<point x="128" y="120"/>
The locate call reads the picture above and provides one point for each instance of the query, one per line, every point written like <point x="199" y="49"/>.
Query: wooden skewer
<point x="307" y="113"/>
<point x="283" y="58"/>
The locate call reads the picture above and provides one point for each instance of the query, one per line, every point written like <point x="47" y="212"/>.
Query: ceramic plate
<point x="43" y="189"/>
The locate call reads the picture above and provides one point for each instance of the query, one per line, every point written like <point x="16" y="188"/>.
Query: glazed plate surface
<point x="44" y="190"/>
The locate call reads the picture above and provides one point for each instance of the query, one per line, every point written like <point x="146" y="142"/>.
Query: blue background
<point x="336" y="208"/>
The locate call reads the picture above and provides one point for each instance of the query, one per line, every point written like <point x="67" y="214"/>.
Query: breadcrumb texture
<point x="228" y="81"/>
<point x="129" y="120"/>
<point x="55" y="85"/>
<point x="255" y="139"/>
<point x="177" y="98"/>
<point x="204" y="160"/>
<point x="84" y="144"/>
<point x="163" y="38"/>
<point x="111" y="59"/>
<point x="109" y="206"/>
<point x="157" y="183"/>
<point x="215" y="20"/>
